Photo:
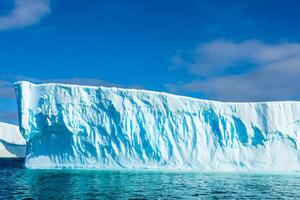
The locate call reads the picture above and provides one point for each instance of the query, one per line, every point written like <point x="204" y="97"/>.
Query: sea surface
<point x="19" y="183"/>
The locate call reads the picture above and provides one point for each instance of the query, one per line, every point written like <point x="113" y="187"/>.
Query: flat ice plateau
<point x="12" y="144"/>
<point x="71" y="126"/>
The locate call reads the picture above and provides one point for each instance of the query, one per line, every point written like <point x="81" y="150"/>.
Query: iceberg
<point x="12" y="144"/>
<point x="89" y="127"/>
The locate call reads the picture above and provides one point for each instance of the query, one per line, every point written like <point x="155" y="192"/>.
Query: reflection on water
<point x="66" y="184"/>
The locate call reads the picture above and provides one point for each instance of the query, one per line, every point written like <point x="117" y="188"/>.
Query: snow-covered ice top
<point x="71" y="126"/>
<point x="10" y="134"/>
<point x="12" y="144"/>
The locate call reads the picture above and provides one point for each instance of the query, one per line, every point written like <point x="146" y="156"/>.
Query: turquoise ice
<point x="71" y="126"/>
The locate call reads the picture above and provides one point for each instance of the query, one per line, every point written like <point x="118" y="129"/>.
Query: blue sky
<point x="223" y="50"/>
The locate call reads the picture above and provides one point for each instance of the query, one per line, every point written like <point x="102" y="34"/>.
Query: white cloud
<point x="274" y="74"/>
<point x="25" y="13"/>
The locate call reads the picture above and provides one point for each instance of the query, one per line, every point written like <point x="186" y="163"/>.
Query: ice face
<point x="69" y="126"/>
<point x="12" y="144"/>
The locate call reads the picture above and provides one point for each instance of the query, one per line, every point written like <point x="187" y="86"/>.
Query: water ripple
<point x="16" y="183"/>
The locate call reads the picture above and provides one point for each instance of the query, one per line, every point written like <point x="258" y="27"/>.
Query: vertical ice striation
<point x="71" y="126"/>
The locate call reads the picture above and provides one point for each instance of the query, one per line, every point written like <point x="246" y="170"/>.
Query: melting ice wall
<point x="69" y="126"/>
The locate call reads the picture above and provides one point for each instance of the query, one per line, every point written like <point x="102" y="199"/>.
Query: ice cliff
<point x="12" y="144"/>
<point x="71" y="126"/>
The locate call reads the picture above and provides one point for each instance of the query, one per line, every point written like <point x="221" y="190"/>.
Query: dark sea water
<point x="19" y="183"/>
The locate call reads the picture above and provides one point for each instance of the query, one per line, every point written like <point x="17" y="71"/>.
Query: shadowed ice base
<point x="8" y="150"/>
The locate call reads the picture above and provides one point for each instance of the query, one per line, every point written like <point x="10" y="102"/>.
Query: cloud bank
<point x="242" y="71"/>
<point x="25" y="13"/>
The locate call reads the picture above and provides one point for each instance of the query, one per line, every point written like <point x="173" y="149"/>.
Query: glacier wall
<point x="70" y="126"/>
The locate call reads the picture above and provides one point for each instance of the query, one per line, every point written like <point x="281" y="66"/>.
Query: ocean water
<point x="19" y="183"/>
